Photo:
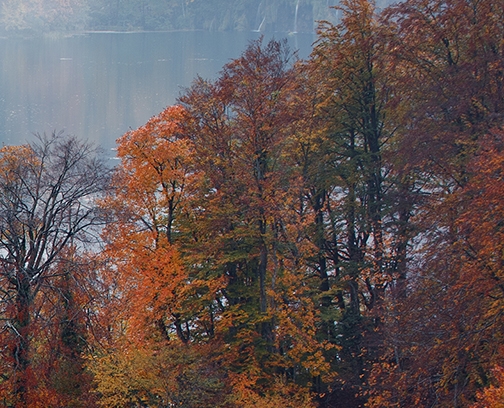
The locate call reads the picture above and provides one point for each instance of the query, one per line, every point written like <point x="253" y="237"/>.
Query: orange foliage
<point x="492" y="396"/>
<point x="271" y="219"/>
<point x="153" y="184"/>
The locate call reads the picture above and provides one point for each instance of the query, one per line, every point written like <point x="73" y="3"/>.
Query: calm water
<point x="99" y="85"/>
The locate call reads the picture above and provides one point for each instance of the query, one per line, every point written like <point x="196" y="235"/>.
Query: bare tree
<point x="48" y="196"/>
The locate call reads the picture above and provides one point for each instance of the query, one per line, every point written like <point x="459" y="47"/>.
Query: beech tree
<point x="445" y="339"/>
<point x="356" y="189"/>
<point x="152" y="188"/>
<point x="450" y="67"/>
<point x="241" y="131"/>
<point x="47" y="205"/>
<point x="325" y="232"/>
<point x="202" y="249"/>
<point x="163" y="312"/>
<point x="447" y="56"/>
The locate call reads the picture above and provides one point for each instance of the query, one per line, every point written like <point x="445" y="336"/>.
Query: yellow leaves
<point x="111" y="373"/>
<point x="280" y="393"/>
<point x="176" y="374"/>
<point x="125" y="377"/>
<point x="298" y="321"/>
<point x="492" y="396"/>
<point x="14" y="160"/>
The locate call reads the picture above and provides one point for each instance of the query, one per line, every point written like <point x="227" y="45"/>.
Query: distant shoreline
<point x="27" y="34"/>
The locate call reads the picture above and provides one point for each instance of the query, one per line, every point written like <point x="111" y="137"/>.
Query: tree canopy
<point x="319" y="233"/>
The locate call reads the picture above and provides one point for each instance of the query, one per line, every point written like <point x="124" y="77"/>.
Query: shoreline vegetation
<point x="42" y="16"/>
<point x="323" y="233"/>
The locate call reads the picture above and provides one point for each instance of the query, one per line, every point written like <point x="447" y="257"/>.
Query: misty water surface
<point x="99" y="85"/>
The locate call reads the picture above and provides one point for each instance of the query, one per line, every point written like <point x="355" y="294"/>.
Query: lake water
<point x="99" y="85"/>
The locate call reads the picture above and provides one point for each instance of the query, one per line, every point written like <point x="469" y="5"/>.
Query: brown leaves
<point x="343" y="217"/>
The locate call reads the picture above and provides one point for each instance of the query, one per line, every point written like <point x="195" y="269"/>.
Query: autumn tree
<point x="356" y="190"/>
<point x="152" y="188"/>
<point x="448" y="60"/>
<point x="447" y="339"/>
<point x="241" y="132"/>
<point x="448" y="65"/>
<point x="305" y="228"/>
<point x="48" y="193"/>
<point x="493" y="395"/>
<point x="161" y="308"/>
<point x="200" y="244"/>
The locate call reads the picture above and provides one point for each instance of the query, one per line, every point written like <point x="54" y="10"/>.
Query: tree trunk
<point x="21" y="347"/>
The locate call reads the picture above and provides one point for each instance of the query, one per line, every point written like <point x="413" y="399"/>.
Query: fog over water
<point x="99" y="85"/>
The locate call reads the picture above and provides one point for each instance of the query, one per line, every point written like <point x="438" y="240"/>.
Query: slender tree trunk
<point x="21" y="347"/>
<point x="262" y="269"/>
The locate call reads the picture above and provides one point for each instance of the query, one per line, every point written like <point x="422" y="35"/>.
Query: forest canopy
<point x="318" y="233"/>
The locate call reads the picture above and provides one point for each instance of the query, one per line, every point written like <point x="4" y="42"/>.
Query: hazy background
<point x="213" y="15"/>
<point x="96" y="68"/>
<point x="99" y="85"/>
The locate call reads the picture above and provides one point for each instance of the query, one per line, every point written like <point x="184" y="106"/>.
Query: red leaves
<point x="344" y="217"/>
